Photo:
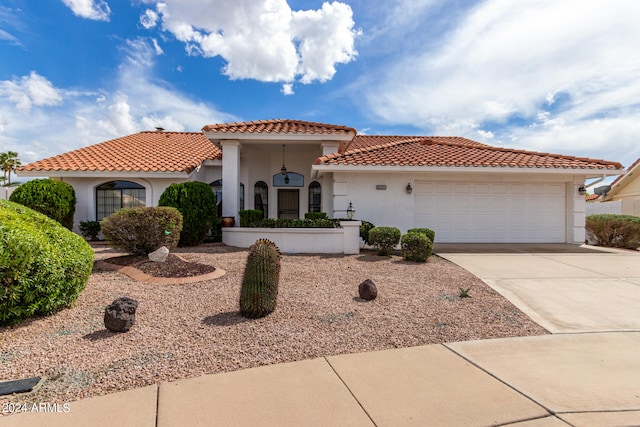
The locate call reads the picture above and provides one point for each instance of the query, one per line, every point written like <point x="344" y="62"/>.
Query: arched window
<point x="315" y="197"/>
<point x="216" y="187"/>
<point x="115" y="195"/>
<point x="261" y="198"/>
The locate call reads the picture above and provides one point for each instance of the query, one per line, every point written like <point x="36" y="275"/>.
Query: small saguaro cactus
<point x="260" y="281"/>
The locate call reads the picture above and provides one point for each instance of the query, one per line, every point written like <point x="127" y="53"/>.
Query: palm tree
<point x="9" y="161"/>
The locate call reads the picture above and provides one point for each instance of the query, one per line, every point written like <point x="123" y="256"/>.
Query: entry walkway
<point x="584" y="378"/>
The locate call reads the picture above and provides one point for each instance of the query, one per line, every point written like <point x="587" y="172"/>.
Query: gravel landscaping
<point x="184" y="331"/>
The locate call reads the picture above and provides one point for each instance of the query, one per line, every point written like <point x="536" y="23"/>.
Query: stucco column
<point x="351" y="237"/>
<point x="231" y="178"/>
<point x="576" y="207"/>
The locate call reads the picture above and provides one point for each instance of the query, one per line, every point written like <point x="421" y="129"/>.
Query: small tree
<point x="55" y="199"/>
<point x="197" y="204"/>
<point x="9" y="162"/>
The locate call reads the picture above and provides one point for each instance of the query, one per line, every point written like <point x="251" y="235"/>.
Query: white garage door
<point x="491" y="212"/>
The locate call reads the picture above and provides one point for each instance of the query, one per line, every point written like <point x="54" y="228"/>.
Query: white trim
<point x="473" y="169"/>
<point x="106" y="174"/>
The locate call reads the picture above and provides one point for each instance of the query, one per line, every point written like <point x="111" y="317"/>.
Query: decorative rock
<point x="368" y="290"/>
<point x="120" y="316"/>
<point x="159" y="255"/>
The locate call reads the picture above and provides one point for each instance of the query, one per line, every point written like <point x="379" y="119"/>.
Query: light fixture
<point x="409" y="189"/>
<point x="283" y="169"/>
<point x="350" y="211"/>
<point x="582" y="190"/>
<point x="286" y="179"/>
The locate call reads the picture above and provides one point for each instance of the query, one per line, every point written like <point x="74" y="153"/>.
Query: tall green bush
<point x="140" y="231"/>
<point x="260" y="281"/>
<point x="43" y="266"/>
<point x="616" y="231"/>
<point x="197" y="204"/>
<point x="384" y="239"/>
<point x="55" y="199"/>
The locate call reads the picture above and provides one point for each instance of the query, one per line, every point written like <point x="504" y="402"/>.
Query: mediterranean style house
<point x="464" y="190"/>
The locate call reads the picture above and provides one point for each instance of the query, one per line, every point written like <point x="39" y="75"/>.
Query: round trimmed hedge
<point x="55" y="199"/>
<point x="43" y="266"/>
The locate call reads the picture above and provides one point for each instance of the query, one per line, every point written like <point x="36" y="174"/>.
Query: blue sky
<point x="543" y="75"/>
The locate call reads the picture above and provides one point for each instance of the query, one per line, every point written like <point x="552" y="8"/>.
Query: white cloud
<point x="264" y="40"/>
<point x="27" y="91"/>
<point x="53" y="120"/>
<point x="287" y="89"/>
<point x="97" y="10"/>
<point x="563" y="67"/>
<point x="149" y="19"/>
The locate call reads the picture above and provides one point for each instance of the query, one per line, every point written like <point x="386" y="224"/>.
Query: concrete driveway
<point x="564" y="288"/>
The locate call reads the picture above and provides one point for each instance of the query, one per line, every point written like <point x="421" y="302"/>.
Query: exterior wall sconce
<point x="350" y="211"/>
<point x="409" y="189"/>
<point x="582" y="190"/>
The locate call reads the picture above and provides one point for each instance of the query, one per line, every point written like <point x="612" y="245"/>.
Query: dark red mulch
<point x="172" y="267"/>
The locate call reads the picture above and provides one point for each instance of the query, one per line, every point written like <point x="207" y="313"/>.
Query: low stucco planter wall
<point x="344" y="240"/>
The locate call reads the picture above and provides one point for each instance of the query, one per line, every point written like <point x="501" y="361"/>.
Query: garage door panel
<point x="491" y="212"/>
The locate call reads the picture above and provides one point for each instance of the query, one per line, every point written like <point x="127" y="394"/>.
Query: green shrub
<point x="365" y="228"/>
<point x="55" y="199"/>
<point x="427" y="232"/>
<point x="90" y="229"/>
<point x="416" y="247"/>
<point x="315" y="215"/>
<point x="249" y="217"/>
<point x="260" y="281"/>
<point x="616" y="231"/>
<point x="140" y="231"/>
<point x="384" y="239"/>
<point x="43" y="266"/>
<point x="197" y="204"/>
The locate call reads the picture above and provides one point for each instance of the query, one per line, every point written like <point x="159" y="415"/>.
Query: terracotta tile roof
<point x="144" y="151"/>
<point x="592" y="197"/>
<point x="450" y="151"/>
<point x="279" y="126"/>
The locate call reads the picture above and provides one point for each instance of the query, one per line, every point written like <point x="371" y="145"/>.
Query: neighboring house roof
<point x="451" y="151"/>
<point x="281" y="126"/>
<point x="620" y="182"/>
<point x="592" y="197"/>
<point x="145" y="151"/>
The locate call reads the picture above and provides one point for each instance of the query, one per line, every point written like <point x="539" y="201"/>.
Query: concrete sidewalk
<point x="554" y="380"/>
<point x="580" y="376"/>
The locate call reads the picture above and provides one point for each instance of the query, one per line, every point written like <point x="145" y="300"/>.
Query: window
<point x="216" y="187"/>
<point x="115" y="195"/>
<point x="315" y="197"/>
<point x="261" y="198"/>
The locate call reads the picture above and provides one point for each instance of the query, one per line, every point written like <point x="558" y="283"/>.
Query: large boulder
<point x="368" y="290"/>
<point x="120" y="315"/>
